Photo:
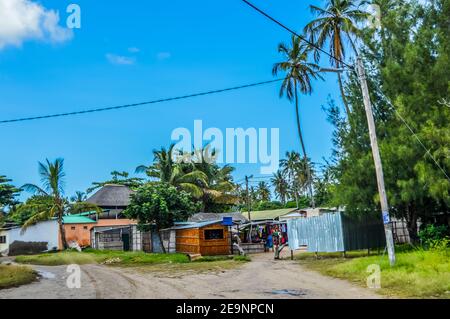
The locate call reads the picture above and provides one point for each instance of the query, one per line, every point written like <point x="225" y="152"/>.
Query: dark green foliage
<point x="160" y="204"/>
<point x="8" y="193"/>
<point x="431" y="233"/>
<point x="119" y="178"/>
<point x="407" y="60"/>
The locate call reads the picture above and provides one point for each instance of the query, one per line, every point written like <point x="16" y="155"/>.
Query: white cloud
<point x="119" y="59"/>
<point x="134" y="50"/>
<point x="163" y="55"/>
<point x="22" y="20"/>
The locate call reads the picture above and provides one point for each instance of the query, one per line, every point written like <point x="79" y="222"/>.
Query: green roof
<point x="269" y="214"/>
<point x="77" y="219"/>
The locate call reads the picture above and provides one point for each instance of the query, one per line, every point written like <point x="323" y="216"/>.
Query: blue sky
<point x="134" y="51"/>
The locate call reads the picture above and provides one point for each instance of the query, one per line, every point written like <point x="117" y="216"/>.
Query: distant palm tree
<point x="263" y="191"/>
<point x="280" y="185"/>
<point x="52" y="179"/>
<point x="181" y="175"/>
<point x="290" y="169"/>
<point x="335" y="22"/>
<point x="219" y="187"/>
<point x="299" y="73"/>
<point x="78" y="197"/>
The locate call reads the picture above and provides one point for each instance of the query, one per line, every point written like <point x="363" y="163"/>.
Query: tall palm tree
<point x="52" y="179"/>
<point x="335" y="22"/>
<point x="280" y="185"/>
<point x="299" y="74"/>
<point x="263" y="191"/>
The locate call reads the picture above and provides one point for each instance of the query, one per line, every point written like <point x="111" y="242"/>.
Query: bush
<point x="433" y="236"/>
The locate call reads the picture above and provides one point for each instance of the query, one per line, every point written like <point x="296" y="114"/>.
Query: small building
<point x="78" y="229"/>
<point x="237" y="217"/>
<point x="269" y="215"/>
<point x="205" y="238"/>
<point x="42" y="236"/>
<point x="118" y="237"/>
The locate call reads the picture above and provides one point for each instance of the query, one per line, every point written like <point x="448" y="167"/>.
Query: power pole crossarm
<point x="377" y="159"/>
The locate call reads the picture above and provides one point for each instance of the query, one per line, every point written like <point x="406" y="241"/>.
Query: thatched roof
<point x="111" y="195"/>
<point x="202" y="217"/>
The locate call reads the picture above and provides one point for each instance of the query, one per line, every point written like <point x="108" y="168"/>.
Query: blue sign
<point x="227" y="221"/>
<point x="386" y="219"/>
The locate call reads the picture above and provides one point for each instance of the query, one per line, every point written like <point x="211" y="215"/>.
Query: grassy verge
<point x="14" y="276"/>
<point x="417" y="273"/>
<point x="120" y="258"/>
<point x="101" y="256"/>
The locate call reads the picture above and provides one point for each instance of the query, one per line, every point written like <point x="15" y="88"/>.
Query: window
<point x="73" y="227"/>
<point x="2" y="239"/>
<point x="85" y="227"/>
<point x="211" y="234"/>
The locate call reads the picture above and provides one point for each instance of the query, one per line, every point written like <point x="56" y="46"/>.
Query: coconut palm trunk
<point x="62" y="233"/>
<point x="300" y="135"/>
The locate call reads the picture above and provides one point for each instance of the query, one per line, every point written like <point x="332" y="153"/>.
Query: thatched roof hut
<point x="112" y="198"/>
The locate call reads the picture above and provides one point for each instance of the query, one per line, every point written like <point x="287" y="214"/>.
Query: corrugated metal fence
<point x="335" y="232"/>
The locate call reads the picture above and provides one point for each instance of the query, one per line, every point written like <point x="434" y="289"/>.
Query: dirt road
<point x="261" y="278"/>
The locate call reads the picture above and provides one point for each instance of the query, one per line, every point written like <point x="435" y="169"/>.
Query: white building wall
<point x="4" y="247"/>
<point x="46" y="231"/>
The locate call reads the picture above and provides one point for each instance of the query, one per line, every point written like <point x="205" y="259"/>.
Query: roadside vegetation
<point x="418" y="273"/>
<point x="91" y="256"/>
<point x="119" y="258"/>
<point x="14" y="276"/>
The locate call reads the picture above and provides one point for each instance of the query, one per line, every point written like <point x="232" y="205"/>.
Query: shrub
<point x="433" y="236"/>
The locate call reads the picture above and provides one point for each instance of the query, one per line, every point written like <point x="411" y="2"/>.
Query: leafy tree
<point x="52" y="177"/>
<point x="266" y="205"/>
<point x="32" y="206"/>
<point x="160" y="204"/>
<point x="298" y="76"/>
<point x="8" y="194"/>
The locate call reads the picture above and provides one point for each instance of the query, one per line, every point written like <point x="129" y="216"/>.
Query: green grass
<point x="417" y="273"/>
<point x="121" y="258"/>
<point x="14" y="276"/>
<point x="101" y="256"/>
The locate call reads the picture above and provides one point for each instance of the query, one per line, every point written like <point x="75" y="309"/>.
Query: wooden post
<point x="377" y="160"/>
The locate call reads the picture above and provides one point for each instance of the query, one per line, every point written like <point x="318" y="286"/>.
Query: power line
<point x="297" y="35"/>
<point x="136" y="104"/>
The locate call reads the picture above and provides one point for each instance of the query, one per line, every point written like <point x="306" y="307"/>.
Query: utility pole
<point x="377" y="159"/>
<point x="248" y="195"/>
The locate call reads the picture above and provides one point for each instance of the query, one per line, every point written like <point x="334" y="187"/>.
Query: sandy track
<point x="261" y="278"/>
